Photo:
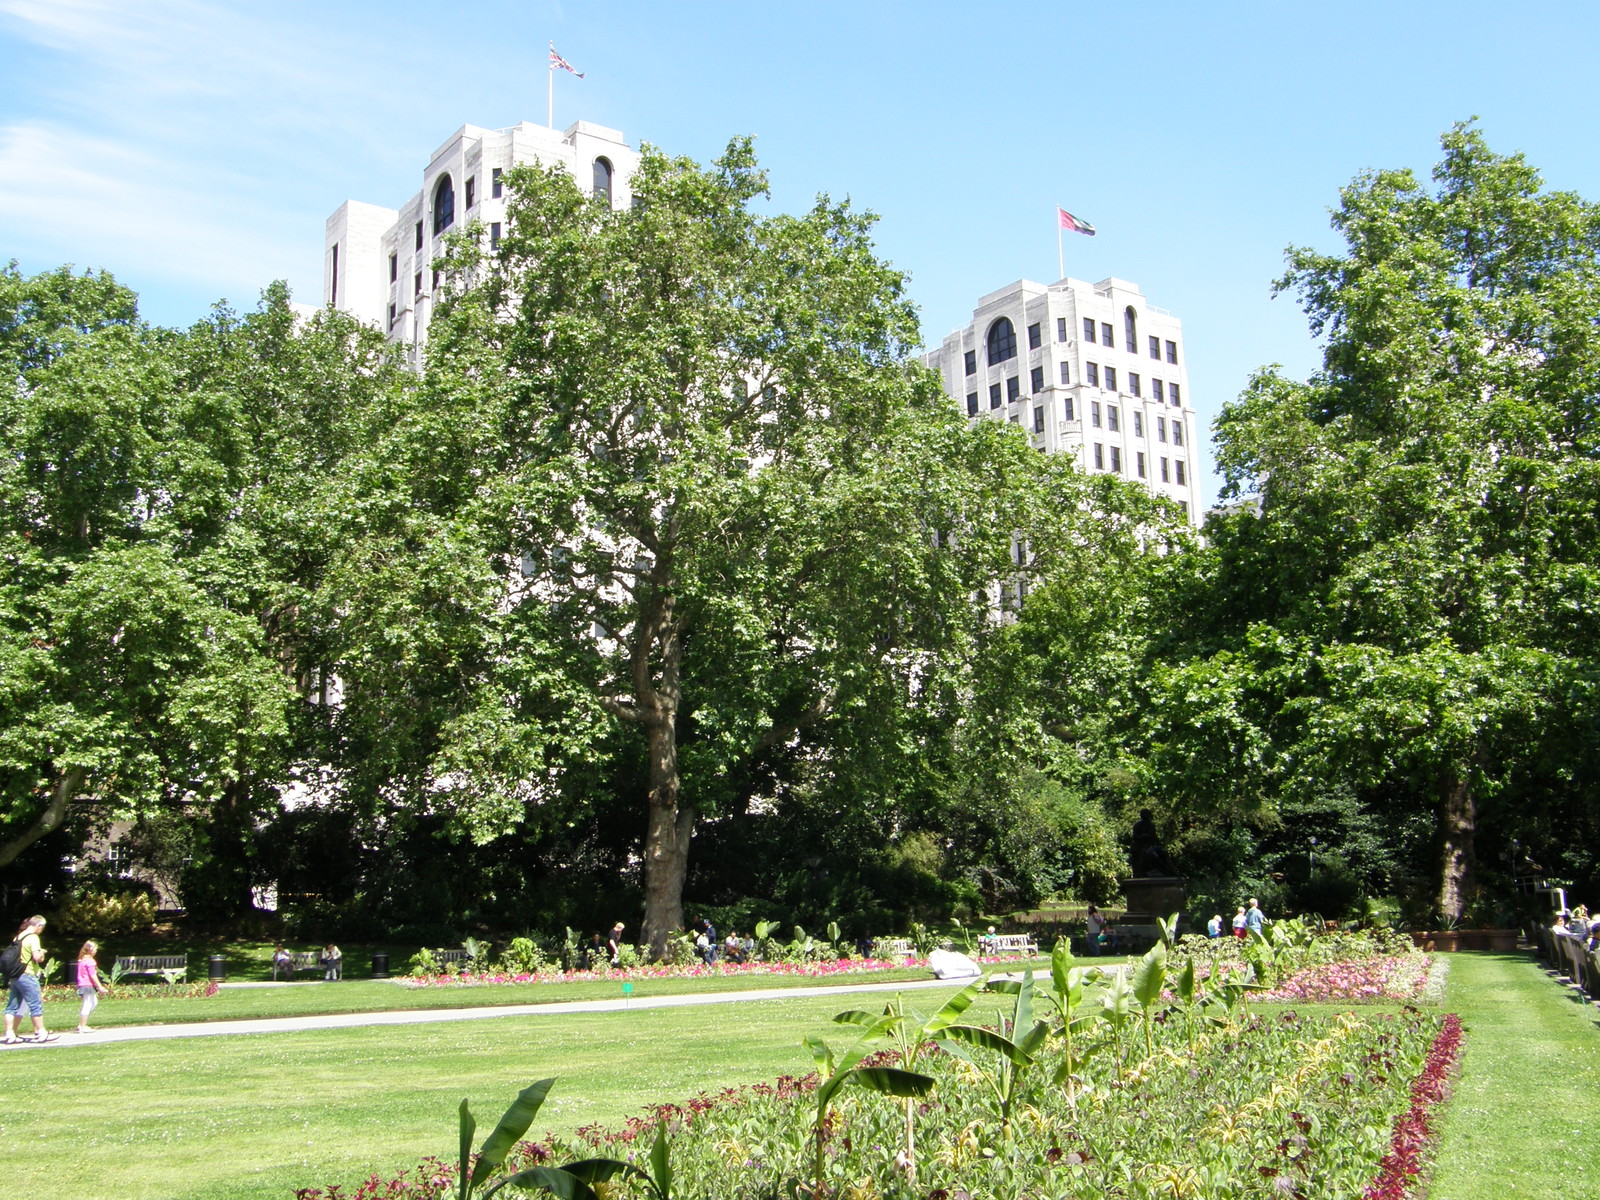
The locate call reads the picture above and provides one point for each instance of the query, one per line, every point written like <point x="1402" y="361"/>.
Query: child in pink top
<point x="89" y="985"/>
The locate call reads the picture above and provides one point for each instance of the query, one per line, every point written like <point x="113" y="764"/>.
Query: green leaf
<point x="1186" y="983"/>
<point x="988" y="1039"/>
<point x="509" y="1131"/>
<point x="549" y="1179"/>
<point x="469" y="1126"/>
<point x="1150" y="975"/>
<point x="660" y="1165"/>
<point x="892" y="1081"/>
<point x="952" y="1008"/>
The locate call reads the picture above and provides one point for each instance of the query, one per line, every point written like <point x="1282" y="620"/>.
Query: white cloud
<point x="116" y="205"/>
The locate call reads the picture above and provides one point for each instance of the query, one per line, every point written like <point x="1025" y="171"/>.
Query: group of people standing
<point x="21" y="967"/>
<point x="1249" y="919"/>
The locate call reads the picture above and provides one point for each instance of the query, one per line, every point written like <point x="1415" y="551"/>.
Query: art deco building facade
<point x="378" y="262"/>
<point x="1087" y="369"/>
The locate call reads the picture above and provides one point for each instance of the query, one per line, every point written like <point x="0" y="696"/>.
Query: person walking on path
<point x="90" y="989"/>
<point x="1254" y="918"/>
<point x="614" y="945"/>
<point x="1240" y="924"/>
<point x="24" y="991"/>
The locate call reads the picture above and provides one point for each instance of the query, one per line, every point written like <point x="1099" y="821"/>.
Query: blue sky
<point x="195" y="148"/>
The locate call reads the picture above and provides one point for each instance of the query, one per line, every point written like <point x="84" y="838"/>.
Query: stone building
<point x="1088" y="369"/>
<point x="378" y="263"/>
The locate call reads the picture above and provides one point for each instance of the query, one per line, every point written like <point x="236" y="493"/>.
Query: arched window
<point x="602" y="179"/>
<point x="1002" y="341"/>
<point x="1130" y="324"/>
<point x="444" y="205"/>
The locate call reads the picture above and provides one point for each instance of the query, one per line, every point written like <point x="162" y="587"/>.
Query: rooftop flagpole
<point x="556" y="61"/>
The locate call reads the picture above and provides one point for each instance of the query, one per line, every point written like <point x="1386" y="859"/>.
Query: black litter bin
<point x="380" y="964"/>
<point x="218" y="968"/>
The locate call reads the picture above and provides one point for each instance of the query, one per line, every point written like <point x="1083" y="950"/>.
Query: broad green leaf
<point x="988" y="1039"/>
<point x="468" y="1126"/>
<point x="1150" y="975"/>
<point x="892" y="1081"/>
<point x="509" y="1131"/>
<point x="554" y="1180"/>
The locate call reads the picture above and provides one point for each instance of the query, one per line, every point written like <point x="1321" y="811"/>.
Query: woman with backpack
<point x="19" y="962"/>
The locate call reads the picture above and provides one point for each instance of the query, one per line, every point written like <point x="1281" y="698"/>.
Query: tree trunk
<point x="666" y="843"/>
<point x="1458" y="823"/>
<point x="49" y="820"/>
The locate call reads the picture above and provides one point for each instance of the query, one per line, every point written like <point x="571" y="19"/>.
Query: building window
<point x="1061" y="329"/>
<point x="1155" y="348"/>
<point x="1105" y="335"/>
<point x="1155" y="390"/>
<point x="1099" y="457"/>
<point x="1092" y="373"/>
<point x="496" y="187"/>
<point x="1174" y="390"/>
<point x="1112" y="421"/>
<point x="444" y="205"/>
<point x="1034" y="338"/>
<point x="1133" y="383"/>
<point x="419" y="235"/>
<point x="602" y="179"/>
<point x="1036" y="380"/>
<point x="394" y="267"/>
<point x="1094" y="413"/>
<point x="1013" y="388"/>
<point x="333" y="292"/>
<point x="1161" y="429"/>
<point x="1178" y="467"/>
<point x="1138" y="423"/>
<point x="1172" y="352"/>
<point x="1130" y="327"/>
<point x="1067" y="408"/>
<point x="1088" y="329"/>
<point x="391" y="316"/>
<point x="1138" y="459"/>
<point x="1116" y="459"/>
<point x="1038" y="420"/>
<point x="994" y="395"/>
<point x="494" y="233"/>
<point x="1177" y="432"/>
<point x="1064" y="375"/>
<point x="1111" y="379"/>
<point x="972" y="362"/>
<point x="972" y="404"/>
<point x="1164" y="478"/>
<point x="472" y="191"/>
<point x="1002" y="342"/>
<point x="416" y="284"/>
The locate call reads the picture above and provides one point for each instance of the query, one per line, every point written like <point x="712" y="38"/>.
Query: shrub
<point x="92" y="914"/>
<point x="523" y="957"/>
<point x="423" y="963"/>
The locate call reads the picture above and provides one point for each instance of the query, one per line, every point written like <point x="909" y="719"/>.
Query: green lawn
<point x="1522" y="1121"/>
<point x="258" y="1115"/>
<point x="366" y="995"/>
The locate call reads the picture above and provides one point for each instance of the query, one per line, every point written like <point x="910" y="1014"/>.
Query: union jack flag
<point x="557" y="61"/>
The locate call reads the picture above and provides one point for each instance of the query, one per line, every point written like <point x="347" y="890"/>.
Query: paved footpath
<point x="427" y="1016"/>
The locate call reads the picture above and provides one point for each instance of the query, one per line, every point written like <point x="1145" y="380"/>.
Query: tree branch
<point x="49" y="820"/>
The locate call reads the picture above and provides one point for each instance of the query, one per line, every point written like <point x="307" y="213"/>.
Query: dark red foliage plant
<point x="1414" y="1133"/>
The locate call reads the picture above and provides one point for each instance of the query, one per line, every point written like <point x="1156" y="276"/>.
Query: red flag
<point x="1074" y="224"/>
<point x="557" y="61"/>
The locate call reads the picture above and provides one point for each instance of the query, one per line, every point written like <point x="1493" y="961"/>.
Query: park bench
<point x="1009" y="943"/>
<point x="149" y="964"/>
<point x="450" y="959"/>
<point x="299" y="960"/>
<point x="893" y="947"/>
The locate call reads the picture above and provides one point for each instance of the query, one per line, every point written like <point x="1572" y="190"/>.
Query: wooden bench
<point x="299" y="960"/>
<point x="149" y="964"/>
<point x="450" y="958"/>
<point x="893" y="947"/>
<point x="1008" y="943"/>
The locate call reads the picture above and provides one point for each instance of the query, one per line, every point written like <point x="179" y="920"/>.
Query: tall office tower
<point x="378" y="262"/>
<point x="1088" y="369"/>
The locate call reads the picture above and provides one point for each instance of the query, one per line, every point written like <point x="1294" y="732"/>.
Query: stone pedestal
<point x="1154" y="898"/>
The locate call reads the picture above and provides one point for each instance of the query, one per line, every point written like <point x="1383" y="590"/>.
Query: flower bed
<point x="1375" y="980"/>
<point x="1264" y="1108"/>
<point x="199" y="989"/>
<point x="807" y="970"/>
<point x="1414" y="1134"/>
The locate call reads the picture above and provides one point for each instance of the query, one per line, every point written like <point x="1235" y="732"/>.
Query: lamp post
<point x="1311" y="858"/>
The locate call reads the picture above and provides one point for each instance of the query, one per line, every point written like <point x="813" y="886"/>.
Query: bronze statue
<point x="1147" y="857"/>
